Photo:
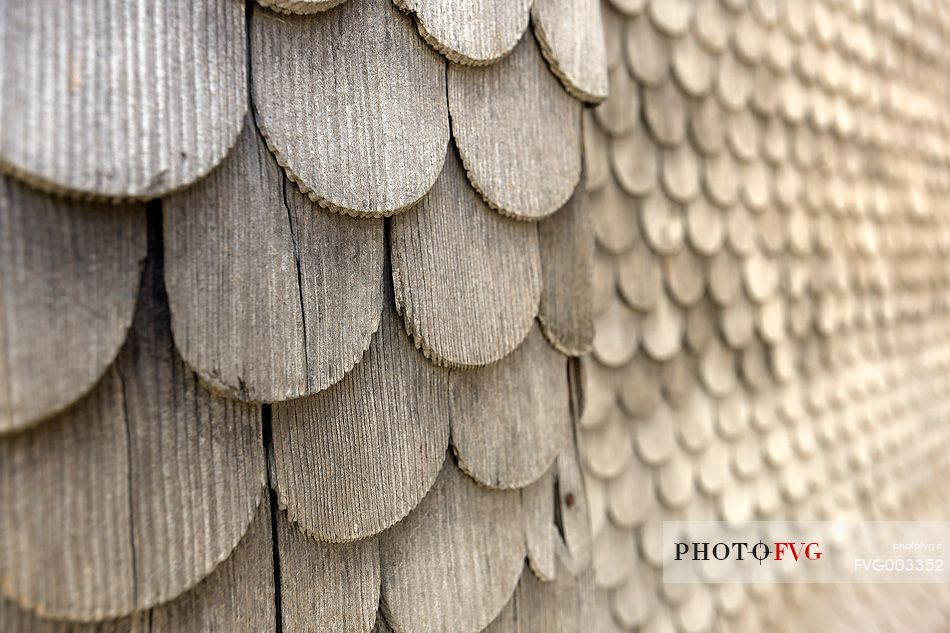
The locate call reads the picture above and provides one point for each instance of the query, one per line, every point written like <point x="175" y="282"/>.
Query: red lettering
<point x="781" y="547"/>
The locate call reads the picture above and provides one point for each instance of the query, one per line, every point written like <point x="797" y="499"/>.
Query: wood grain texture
<point x="237" y="597"/>
<point x="381" y="625"/>
<point x="260" y="278"/>
<point x="541" y="533"/>
<point x="558" y="606"/>
<point x="454" y="562"/>
<point x="326" y="586"/>
<point x="574" y="511"/>
<point x="352" y="460"/>
<point x="518" y="132"/>
<point x="132" y="496"/>
<point x="471" y="32"/>
<point x="510" y="419"/>
<point x="571" y="36"/>
<point x="467" y="281"/>
<point x="130" y="102"/>
<point x="67" y="293"/>
<point x="303" y="7"/>
<point x="352" y="102"/>
<point x="566" y="240"/>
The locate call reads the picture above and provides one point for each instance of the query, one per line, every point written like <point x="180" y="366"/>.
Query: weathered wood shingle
<point x="261" y="280"/>
<point x="467" y="281"/>
<point x="120" y="101"/>
<point x="67" y="294"/>
<point x="566" y="242"/>
<point x="352" y="102"/>
<point x="134" y="494"/>
<point x="301" y="6"/>
<point x="510" y="419"/>
<point x="572" y="39"/>
<point x="236" y="597"/>
<point x="518" y="132"/>
<point x="355" y="458"/>
<point x="473" y="32"/>
<point x="453" y="564"/>
<point x="326" y="586"/>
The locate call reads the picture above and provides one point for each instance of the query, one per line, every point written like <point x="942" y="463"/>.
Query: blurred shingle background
<point x="768" y="184"/>
<point x="298" y="298"/>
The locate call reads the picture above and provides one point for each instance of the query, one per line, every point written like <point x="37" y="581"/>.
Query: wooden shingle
<point x="467" y="280"/>
<point x="473" y="32"/>
<point x="572" y="40"/>
<point x="237" y="597"/>
<point x="326" y="586"/>
<point x="300" y="6"/>
<point x="120" y="104"/>
<point x="260" y="278"/>
<point x="566" y="241"/>
<point x="510" y="419"/>
<point x="355" y="458"/>
<point x="518" y="132"/>
<point x="67" y="294"/>
<point x="134" y="494"/>
<point x="541" y="533"/>
<point x="352" y="103"/>
<point x="436" y="574"/>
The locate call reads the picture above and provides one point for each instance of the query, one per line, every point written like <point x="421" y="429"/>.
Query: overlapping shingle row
<point x="767" y="185"/>
<point x="369" y="247"/>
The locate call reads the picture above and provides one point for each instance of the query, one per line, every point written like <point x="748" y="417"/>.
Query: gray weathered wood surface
<point x="381" y="625"/>
<point x="67" y="294"/>
<point x="566" y="241"/>
<point x="572" y="39"/>
<point x="541" y="533"/>
<point x="352" y="103"/>
<point x="474" y="32"/>
<point x="136" y="493"/>
<point x="272" y="297"/>
<point x="575" y="518"/>
<point x="518" y="132"/>
<point x="97" y="101"/>
<point x="467" y="280"/>
<point x="236" y="597"/>
<point x="453" y="563"/>
<point x="510" y="419"/>
<point x="300" y="6"/>
<point x="352" y="460"/>
<point x="546" y="607"/>
<point x="326" y="586"/>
